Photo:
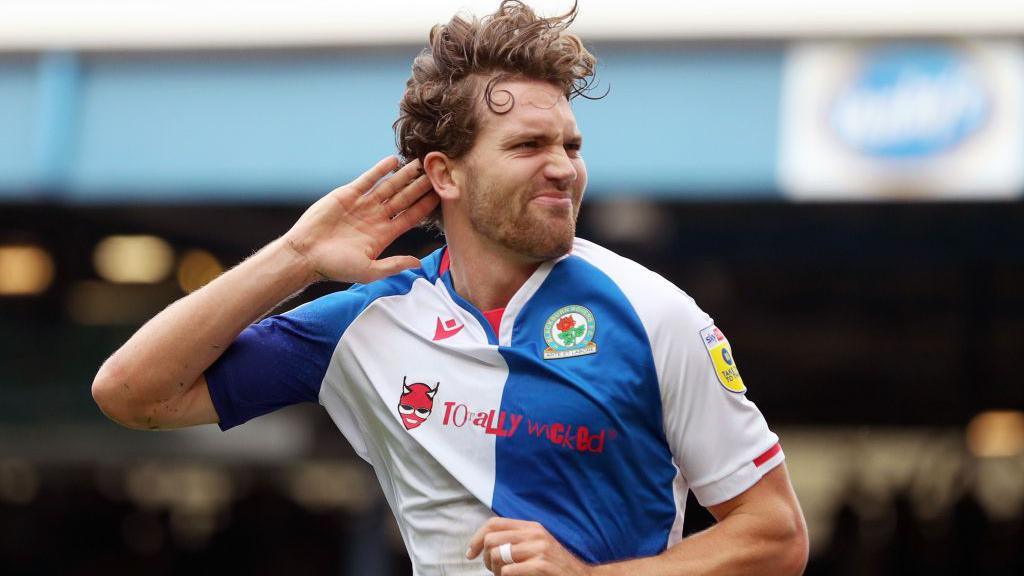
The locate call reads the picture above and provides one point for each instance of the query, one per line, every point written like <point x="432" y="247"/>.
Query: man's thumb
<point x="393" y="265"/>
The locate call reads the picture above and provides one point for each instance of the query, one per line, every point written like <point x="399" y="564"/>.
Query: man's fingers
<point x="408" y="194"/>
<point x="522" y="548"/>
<point x="393" y="265"/>
<point x="529" y="549"/>
<point x="532" y="567"/>
<point x="391" y="185"/>
<point x="413" y="214"/>
<point x="381" y="169"/>
<point x="496" y="524"/>
<point x="476" y="543"/>
<point x="499" y="537"/>
<point x="492" y="546"/>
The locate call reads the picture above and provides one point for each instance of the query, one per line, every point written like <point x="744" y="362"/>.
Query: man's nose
<point x="561" y="170"/>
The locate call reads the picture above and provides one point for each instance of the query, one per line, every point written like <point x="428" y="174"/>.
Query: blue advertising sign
<point x="911" y="101"/>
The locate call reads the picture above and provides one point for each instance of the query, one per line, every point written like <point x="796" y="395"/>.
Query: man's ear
<point x="438" y="167"/>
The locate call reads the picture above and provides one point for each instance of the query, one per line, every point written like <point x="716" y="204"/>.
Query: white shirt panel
<point x="438" y="478"/>
<point x="714" y="434"/>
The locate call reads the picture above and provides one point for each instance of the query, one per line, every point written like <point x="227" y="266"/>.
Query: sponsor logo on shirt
<point x="416" y="403"/>
<point x="712" y="337"/>
<point x="446" y="329"/>
<point x="569" y="332"/>
<point x="721" y="357"/>
<point x="505" y="424"/>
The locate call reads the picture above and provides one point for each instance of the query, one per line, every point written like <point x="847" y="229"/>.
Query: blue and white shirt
<point x="602" y="396"/>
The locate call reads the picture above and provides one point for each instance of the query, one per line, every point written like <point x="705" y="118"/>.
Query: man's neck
<point x="484" y="273"/>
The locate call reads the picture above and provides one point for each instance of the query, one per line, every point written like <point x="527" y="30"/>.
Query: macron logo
<point x="446" y="329"/>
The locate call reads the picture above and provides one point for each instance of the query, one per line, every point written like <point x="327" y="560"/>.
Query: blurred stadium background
<point x="838" y="183"/>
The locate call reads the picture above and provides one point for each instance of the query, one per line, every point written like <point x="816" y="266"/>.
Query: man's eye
<point x="574" y="149"/>
<point x="529" y="144"/>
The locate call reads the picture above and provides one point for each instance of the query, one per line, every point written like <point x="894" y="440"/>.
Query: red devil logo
<point x="416" y="403"/>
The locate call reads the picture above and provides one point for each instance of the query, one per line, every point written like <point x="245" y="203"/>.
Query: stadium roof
<point x="199" y="24"/>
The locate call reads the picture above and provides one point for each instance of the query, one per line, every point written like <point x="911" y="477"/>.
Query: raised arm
<point x="155" y="380"/>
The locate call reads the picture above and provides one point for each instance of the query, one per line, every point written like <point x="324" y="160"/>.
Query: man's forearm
<point x="151" y="382"/>
<point x="763" y="533"/>
<point x="760" y="531"/>
<point x="169" y="353"/>
<point x="730" y="547"/>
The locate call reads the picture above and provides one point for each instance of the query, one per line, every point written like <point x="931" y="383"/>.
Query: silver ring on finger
<point x="505" y="551"/>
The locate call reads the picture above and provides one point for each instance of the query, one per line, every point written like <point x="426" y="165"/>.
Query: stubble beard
<point x="506" y="217"/>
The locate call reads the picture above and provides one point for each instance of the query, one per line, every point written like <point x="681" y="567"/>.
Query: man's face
<point x="523" y="179"/>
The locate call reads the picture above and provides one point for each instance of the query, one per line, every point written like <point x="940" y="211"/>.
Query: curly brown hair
<point x="439" y="108"/>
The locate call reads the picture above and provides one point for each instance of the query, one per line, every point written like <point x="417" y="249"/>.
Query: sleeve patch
<point x="721" y="356"/>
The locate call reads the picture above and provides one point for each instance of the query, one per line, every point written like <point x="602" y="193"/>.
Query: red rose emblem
<point x="565" y="323"/>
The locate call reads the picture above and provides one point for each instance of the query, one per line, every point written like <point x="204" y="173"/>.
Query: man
<point x="522" y="393"/>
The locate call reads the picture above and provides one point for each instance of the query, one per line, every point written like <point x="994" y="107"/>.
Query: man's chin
<point x="537" y="240"/>
<point x="556" y="248"/>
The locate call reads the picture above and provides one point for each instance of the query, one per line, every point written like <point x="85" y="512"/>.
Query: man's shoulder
<point x="611" y="262"/>
<point x="628" y="274"/>
<point x="656" y="300"/>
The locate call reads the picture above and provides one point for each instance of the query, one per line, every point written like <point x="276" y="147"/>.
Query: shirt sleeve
<point x="719" y="439"/>
<point x="280" y="360"/>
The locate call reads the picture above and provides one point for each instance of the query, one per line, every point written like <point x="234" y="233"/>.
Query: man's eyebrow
<point x="526" y="135"/>
<point x="537" y="135"/>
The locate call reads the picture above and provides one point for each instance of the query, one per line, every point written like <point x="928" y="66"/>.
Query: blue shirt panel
<point x="282" y="359"/>
<point x="606" y="492"/>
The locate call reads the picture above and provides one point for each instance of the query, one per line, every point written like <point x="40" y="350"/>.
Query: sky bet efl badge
<point x="721" y="357"/>
<point x="569" y="332"/>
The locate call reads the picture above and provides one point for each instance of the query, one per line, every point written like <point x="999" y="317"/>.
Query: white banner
<point x="902" y="120"/>
<point x="189" y="24"/>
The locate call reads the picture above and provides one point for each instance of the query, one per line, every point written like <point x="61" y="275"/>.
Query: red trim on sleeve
<point x="767" y="455"/>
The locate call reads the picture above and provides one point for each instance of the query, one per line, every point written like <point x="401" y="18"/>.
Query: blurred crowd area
<point x="840" y="188"/>
<point x="188" y="517"/>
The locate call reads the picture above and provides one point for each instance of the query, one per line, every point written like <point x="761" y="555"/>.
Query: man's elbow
<point x="111" y="391"/>
<point x="795" y="545"/>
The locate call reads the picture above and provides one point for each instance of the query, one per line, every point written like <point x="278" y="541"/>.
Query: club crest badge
<point x="416" y="403"/>
<point x="569" y="332"/>
<point x="721" y="357"/>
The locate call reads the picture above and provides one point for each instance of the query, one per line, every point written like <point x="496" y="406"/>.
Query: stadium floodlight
<point x="196" y="268"/>
<point x="140" y="259"/>
<point x="25" y="270"/>
<point x="996" y="434"/>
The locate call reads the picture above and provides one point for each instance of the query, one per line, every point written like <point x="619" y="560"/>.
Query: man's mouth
<point x="553" y="199"/>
